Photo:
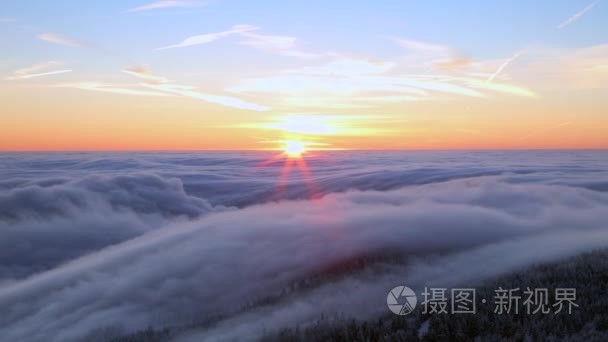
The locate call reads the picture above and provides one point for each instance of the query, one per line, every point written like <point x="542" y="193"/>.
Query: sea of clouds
<point x="96" y="244"/>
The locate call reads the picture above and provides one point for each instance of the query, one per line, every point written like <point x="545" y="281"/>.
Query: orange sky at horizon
<point x="85" y="121"/>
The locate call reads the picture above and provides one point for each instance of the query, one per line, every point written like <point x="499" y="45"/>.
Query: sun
<point x="294" y="148"/>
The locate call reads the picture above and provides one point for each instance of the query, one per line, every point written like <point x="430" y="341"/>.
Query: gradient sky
<point x="140" y="74"/>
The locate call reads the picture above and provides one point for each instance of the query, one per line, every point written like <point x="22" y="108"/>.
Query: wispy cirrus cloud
<point x="154" y="85"/>
<point x="124" y="89"/>
<point x="502" y="67"/>
<point x="164" y="85"/>
<point x="37" y="70"/>
<point x="348" y="82"/>
<point x="60" y="39"/>
<point x="210" y="37"/>
<point x="442" y="57"/>
<point x="143" y="72"/>
<point x="578" y="15"/>
<point x="163" y="4"/>
<point x="579" y="68"/>
<point x="345" y="66"/>
<point x="283" y="45"/>
<point x="453" y="63"/>
<point x="188" y="91"/>
<point x="420" y="46"/>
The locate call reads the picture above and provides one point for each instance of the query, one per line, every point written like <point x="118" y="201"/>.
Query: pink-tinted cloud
<point x="60" y="39"/>
<point x="37" y="70"/>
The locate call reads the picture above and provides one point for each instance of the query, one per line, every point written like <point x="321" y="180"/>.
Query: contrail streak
<point x="504" y="65"/>
<point x="577" y="15"/>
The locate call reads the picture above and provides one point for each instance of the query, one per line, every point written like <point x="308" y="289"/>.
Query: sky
<point x="229" y="74"/>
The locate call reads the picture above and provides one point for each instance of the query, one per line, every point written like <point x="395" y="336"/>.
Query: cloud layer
<point x="186" y="270"/>
<point x="97" y="242"/>
<point x="50" y="221"/>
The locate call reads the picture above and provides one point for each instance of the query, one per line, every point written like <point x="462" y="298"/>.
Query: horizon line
<point x="313" y="150"/>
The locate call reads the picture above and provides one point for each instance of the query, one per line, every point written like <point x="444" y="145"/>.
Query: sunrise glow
<point x="294" y="149"/>
<point x="307" y="124"/>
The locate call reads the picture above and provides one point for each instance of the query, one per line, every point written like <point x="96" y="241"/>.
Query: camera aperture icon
<point x="401" y="300"/>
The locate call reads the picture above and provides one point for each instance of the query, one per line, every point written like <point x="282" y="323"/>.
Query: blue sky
<point x="485" y="29"/>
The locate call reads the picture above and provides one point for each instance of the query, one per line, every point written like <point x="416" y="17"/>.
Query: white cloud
<point x="321" y="85"/>
<point x="363" y="296"/>
<point x="347" y="82"/>
<point x="165" y="85"/>
<point x="486" y="227"/>
<point x="188" y="91"/>
<point x="69" y="216"/>
<point x="441" y="57"/>
<point x="419" y="46"/>
<point x="160" y="86"/>
<point x="38" y="70"/>
<point x="502" y="67"/>
<point x="163" y="4"/>
<point x="143" y="72"/>
<point x="268" y="42"/>
<point x="577" y="16"/>
<point x="580" y="68"/>
<point x="49" y="73"/>
<point x="283" y="45"/>
<point x="60" y="39"/>
<point x="125" y="89"/>
<point x="346" y="67"/>
<point x="210" y="37"/>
